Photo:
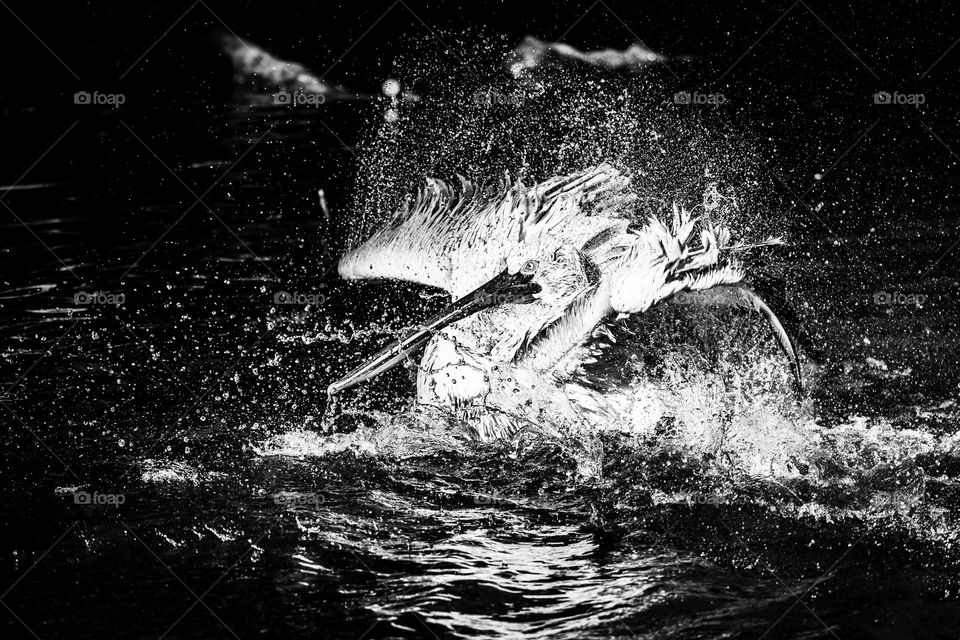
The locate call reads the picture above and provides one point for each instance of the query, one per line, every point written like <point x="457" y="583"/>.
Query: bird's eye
<point x="529" y="268"/>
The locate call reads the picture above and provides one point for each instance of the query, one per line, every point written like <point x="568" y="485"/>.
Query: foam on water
<point x="306" y="443"/>
<point x="167" y="472"/>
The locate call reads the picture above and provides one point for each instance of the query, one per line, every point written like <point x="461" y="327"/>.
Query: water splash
<point x="707" y="391"/>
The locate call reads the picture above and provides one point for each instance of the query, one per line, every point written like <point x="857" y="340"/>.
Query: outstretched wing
<point x="457" y="239"/>
<point x="644" y="268"/>
<point x="746" y="298"/>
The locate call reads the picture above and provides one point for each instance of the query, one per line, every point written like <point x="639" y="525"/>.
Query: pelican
<point x="257" y="67"/>
<point x="535" y="274"/>
<point x="532" y="53"/>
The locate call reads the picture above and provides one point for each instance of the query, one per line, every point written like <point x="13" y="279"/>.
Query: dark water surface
<point x="147" y="362"/>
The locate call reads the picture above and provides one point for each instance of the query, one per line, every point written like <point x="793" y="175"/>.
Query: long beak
<point x="504" y="288"/>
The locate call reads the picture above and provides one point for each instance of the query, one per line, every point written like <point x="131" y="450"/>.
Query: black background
<point x="789" y="69"/>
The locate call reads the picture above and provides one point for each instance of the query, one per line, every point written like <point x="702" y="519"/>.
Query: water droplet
<point x="391" y="88"/>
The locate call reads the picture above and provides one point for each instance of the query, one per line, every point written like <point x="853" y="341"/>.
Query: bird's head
<point x="559" y="272"/>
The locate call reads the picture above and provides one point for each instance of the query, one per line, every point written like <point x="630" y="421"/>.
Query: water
<point x="229" y="502"/>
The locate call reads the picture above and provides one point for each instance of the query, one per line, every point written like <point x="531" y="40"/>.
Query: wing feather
<point x="645" y="268"/>
<point x="457" y="239"/>
<point x="743" y="297"/>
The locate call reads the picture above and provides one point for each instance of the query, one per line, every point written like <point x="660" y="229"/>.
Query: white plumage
<point x="506" y="365"/>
